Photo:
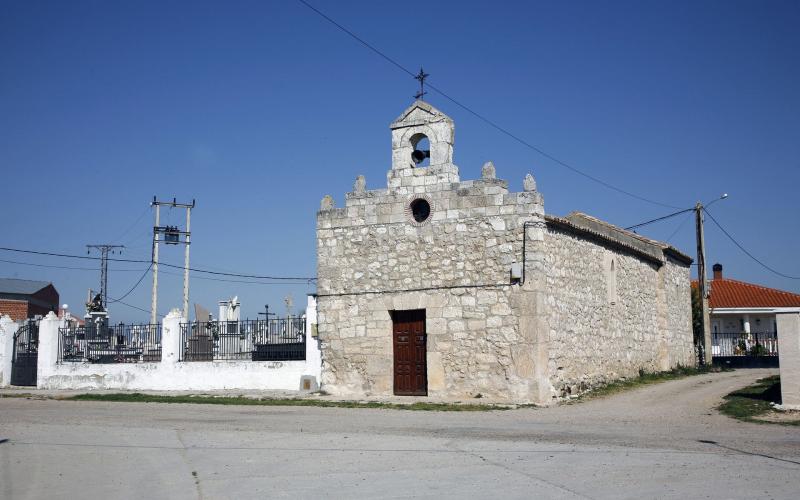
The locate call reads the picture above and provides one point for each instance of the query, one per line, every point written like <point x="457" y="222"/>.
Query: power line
<point x="483" y="118"/>
<point x="548" y="155"/>
<point x="92" y="269"/>
<point x="240" y="281"/>
<point x="137" y="308"/>
<point x="356" y="37"/>
<point x="651" y="221"/>
<point x="65" y="267"/>
<point x="56" y="254"/>
<point x="745" y="250"/>
<point x="237" y="275"/>
<point x="146" y="210"/>
<point x="139" y="261"/>
<point x="685" y="220"/>
<point x="134" y="286"/>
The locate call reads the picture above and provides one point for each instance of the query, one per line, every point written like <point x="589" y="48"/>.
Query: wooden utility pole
<point x="703" y="283"/>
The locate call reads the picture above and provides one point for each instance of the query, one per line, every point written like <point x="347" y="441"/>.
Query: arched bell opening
<point x="421" y="154"/>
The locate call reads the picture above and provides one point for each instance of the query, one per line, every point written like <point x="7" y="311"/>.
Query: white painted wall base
<point x="196" y="375"/>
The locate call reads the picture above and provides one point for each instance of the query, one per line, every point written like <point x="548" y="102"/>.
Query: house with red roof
<point x="743" y="323"/>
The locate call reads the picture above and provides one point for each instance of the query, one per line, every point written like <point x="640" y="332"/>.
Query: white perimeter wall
<point x="171" y="374"/>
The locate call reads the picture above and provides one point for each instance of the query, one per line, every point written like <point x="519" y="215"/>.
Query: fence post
<point x="171" y="337"/>
<point x="313" y="357"/>
<point x="310" y="380"/>
<point x="7" y="330"/>
<point x="789" y="358"/>
<point x="48" y="347"/>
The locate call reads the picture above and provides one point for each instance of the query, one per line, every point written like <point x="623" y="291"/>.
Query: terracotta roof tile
<point x="733" y="293"/>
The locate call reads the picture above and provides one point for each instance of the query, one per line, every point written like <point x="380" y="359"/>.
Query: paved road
<point x="662" y="441"/>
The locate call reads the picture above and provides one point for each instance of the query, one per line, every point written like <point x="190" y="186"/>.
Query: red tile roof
<point x="732" y="293"/>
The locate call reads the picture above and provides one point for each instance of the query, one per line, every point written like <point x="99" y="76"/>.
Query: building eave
<point x="565" y="224"/>
<point x="754" y="310"/>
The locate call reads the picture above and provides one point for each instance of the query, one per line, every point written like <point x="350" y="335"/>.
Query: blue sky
<point x="258" y="109"/>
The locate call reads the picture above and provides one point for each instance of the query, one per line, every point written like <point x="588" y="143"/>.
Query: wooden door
<point x="410" y="353"/>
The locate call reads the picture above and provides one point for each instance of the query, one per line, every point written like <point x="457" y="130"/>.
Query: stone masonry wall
<point x="597" y="335"/>
<point x="372" y="260"/>
<point x="592" y="302"/>
<point x="679" y="312"/>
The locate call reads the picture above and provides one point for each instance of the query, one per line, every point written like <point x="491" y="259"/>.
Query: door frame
<point x="411" y="316"/>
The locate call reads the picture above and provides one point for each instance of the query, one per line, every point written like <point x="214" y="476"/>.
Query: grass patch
<point x="243" y="401"/>
<point x="646" y="378"/>
<point x="754" y="403"/>
<point x="17" y="395"/>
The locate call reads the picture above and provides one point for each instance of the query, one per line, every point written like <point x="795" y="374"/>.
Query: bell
<point x="419" y="156"/>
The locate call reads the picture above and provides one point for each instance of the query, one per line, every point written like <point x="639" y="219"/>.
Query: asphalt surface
<point x="660" y="441"/>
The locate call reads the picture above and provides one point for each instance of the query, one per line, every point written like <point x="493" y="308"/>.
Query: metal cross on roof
<point x="421" y="77"/>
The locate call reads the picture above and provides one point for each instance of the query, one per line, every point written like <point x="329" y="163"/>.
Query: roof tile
<point x="733" y="293"/>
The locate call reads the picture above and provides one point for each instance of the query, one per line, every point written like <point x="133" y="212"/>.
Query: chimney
<point x="717" y="271"/>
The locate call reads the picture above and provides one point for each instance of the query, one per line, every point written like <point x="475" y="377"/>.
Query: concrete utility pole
<point x="188" y="241"/>
<point x="154" y="297"/>
<point x="104" y="251"/>
<point x="172" y="236"/>
<point x="702" y="283"/>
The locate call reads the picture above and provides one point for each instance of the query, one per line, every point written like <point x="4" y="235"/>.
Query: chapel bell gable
<point x="422" y="142"/>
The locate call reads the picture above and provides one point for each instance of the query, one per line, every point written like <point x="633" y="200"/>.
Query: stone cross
<point x="289" y="303"/>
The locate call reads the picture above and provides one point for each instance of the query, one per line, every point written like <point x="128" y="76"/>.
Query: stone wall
<point x="372" y="259"/>
<point x="519" y="306"/>
<point x="610" y="323"/>
<point x="677" y="284"/>
<point x="472" y="237"/>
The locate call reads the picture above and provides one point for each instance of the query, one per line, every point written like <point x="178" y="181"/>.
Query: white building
<point x="743" y="318"/>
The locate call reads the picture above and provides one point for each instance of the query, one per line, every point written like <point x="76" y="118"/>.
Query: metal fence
<point x="281" y="339"/>
<point x="99" y="343"/>
<point x="744" y="344"/>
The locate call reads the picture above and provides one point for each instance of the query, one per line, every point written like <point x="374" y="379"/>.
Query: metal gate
<point x="26" y="354"/>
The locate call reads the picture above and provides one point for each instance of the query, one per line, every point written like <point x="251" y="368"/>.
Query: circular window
<point x="420" y="210"/>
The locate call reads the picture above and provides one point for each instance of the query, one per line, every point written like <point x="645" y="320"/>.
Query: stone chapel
<point x="452" y="289"/>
